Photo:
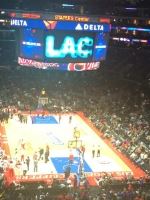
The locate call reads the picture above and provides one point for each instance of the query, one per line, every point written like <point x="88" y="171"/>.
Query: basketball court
<point x="64" y="135"/>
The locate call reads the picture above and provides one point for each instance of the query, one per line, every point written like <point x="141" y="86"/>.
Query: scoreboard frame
<point x="60" y="22"/>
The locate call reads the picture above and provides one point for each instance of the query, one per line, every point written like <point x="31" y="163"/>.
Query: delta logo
<point x="89" y="27"/>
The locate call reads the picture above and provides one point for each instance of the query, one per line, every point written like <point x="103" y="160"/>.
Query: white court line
<point x="57" y="137"/>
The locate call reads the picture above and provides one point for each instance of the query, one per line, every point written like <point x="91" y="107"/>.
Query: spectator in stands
<point x="116" y="108"/>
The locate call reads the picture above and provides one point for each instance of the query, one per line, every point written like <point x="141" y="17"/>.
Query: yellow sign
<point x="71" y="18"/>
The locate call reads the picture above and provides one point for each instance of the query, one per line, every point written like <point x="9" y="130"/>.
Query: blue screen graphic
<point x="31" y="45"/>
<point x="69" y="46"/>
<point x="55" y="46"/>
<point x="100" y="49"/>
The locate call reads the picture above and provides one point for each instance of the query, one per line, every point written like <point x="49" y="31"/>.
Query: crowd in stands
<point x="111" y="191"/>
<point x="127" y="61"/>
<point x="119" y="109"/>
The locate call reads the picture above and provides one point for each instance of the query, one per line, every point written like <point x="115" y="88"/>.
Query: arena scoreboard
<point x="61" y="42"/>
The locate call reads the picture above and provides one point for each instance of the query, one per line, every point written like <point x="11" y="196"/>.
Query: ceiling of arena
<point x="8" y="4"/>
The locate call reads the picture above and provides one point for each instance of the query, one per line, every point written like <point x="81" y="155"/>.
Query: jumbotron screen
<point x="73" y="47"/>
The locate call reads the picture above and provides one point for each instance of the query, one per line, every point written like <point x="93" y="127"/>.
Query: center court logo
<point x="89" y="27"/>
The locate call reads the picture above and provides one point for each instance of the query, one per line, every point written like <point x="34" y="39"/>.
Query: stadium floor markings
<point x="57" y="137"/>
